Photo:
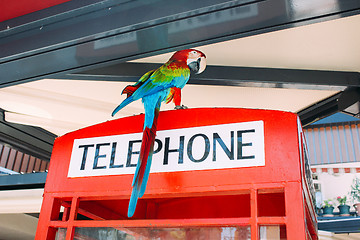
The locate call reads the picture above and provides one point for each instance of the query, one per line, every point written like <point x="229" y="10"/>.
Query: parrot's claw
<point x="181" y="107"/>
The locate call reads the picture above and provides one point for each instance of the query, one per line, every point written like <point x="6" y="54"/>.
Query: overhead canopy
<point x="275" y="55"/>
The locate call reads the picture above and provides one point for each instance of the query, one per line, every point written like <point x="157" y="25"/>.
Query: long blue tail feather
<point x="146" y="176"/>
<point x="142" y="172"/>
<point x="133" y="200"/>
<point x="136" y="174"/>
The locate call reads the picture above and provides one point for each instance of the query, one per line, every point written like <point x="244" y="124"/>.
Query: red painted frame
<point x="12" y="9"/>
<point x="281" y="183"/>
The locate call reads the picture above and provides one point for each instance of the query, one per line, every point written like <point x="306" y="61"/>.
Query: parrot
<point x="154" y="87"/>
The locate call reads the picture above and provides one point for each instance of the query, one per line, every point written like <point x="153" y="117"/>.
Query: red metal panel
<point x="254" y="215"/>
<point x="252" y="196"/>
<point x="11" y="159"/>
<point x="295" y="214"/>
<point x="25" y="163"/>
<point x="12" y="9"/>
<point x="37" y="164"/>
<point x="31" y="164"/>
<point x="43" y="165"/>
<point x="4" y="156"/>
<point x="280" y="133"/>
<point x="2" y="163"/>
<point x="18" y="161"/>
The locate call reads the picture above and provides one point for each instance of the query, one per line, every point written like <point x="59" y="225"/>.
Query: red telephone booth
<point x="217" y="173"/>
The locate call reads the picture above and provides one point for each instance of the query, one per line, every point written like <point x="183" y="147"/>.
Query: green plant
<point x="328" y="203"/>
<point x="355" y="190"/>
<point x="341" y="200"/>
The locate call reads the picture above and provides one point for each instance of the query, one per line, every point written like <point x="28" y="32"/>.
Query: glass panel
<point x="273" y="232"/>
<point x="196" y="233"/>
<point x="60" y="234"/>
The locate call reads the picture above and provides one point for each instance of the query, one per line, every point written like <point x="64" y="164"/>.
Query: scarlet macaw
<point x="154" y="87"/>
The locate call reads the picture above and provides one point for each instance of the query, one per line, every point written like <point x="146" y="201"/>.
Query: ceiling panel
<point x="331" y="45"/>
<point x="66" y="105"/>
<point x="60" y="106"/>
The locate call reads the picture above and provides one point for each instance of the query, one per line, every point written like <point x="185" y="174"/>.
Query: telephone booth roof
<point x="197" y="151"/>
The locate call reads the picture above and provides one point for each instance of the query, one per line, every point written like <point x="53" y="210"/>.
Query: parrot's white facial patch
<point x="193" y="56"/>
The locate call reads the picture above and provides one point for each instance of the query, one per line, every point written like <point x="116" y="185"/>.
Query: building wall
<point x="334" y="153"/>
<point x="335" y="180"/>
<point x="333" y="143"/>
<point x="20" y="162"/>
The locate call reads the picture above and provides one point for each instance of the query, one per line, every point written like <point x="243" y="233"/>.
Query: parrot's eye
<point x="194" y="52"/>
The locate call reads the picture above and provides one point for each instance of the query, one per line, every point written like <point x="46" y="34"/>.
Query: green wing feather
<point x="171" y="74"/>
<point x="166" y="73"/>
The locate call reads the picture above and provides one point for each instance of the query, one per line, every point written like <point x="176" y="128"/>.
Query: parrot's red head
<point x="195" y="59"/>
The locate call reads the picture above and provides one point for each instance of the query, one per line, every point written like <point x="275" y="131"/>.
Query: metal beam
<point x="34" y="141"/>
<point x="23" y="181"/>
<point x="104" y="33"/>
<point x="339" y="224"/>
<point x="232" y="76"/>
<point x="339" y="102"/>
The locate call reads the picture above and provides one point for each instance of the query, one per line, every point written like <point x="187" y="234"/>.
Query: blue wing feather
<point x="122" y="105"/>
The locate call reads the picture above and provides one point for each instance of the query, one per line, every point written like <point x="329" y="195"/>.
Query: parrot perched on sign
<point x="154" y="87"/>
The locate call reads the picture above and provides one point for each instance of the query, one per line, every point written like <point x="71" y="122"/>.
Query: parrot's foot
<point x="181" y="107"/>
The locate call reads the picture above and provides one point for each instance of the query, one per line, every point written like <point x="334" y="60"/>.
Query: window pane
<point x="60" y="234"/>
<point x="273" y="232"/>
<point x="195" y="233"/>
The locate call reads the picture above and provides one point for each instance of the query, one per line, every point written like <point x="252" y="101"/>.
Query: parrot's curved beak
<point x="198" y="66"/>
<point x="202" y="64"/>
